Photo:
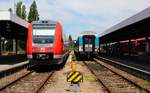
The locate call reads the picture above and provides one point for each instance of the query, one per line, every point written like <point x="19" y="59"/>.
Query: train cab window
<point x="43" y="39"/>
<point x="88" y="40"/>
<point x="43" y="36"/>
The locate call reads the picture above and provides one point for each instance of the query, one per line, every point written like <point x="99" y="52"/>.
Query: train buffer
<point x="75" y="77"/>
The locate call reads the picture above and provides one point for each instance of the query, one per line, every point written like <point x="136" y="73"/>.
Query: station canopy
<point x="134" y="27"/>
<point x="12" y="26"/>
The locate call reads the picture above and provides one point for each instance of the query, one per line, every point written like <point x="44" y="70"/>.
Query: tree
<point x="33" y="14"/>
<point x="19" y="9"/>
<point x="70" y="38"/>
<point x="23" y="14"/>
<point x="71" y="43"/>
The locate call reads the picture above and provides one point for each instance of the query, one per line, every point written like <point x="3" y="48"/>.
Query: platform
<point x="8" y="62"/>
<point x="12" y="29"/>
<point x="132" y="62"/>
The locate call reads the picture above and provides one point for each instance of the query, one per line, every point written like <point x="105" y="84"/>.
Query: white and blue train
<point x="87" y="44"/>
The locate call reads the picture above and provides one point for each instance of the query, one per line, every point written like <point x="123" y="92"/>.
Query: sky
<point x="83" y="15"/>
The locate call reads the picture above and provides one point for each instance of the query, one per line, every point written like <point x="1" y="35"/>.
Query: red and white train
<point x="45" y="43"/>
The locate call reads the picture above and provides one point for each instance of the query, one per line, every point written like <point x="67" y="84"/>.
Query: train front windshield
<point x="43" y="36"/>
<point x="89" y="39"/>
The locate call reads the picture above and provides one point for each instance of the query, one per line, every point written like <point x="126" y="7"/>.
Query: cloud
<point x="96" y="15"/>
<point x="81" y="15"/>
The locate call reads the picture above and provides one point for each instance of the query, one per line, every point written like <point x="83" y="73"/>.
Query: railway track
<point x="144" y="74"/>
<point x="137" y="76"/>
<point x="112" y="82"/>
<point x="31" y="82"/>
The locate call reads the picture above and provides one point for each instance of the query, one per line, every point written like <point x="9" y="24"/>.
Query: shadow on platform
<point x="12" y="59"/>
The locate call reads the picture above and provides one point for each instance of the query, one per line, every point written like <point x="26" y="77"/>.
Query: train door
<point x="88" y="43"/>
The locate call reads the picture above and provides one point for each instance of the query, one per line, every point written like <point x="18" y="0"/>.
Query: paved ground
<point x="58" y="83"/>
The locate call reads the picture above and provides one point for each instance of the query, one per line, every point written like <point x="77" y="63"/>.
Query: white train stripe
<point x="29" y="56"/>
<point x="58" y="56"/>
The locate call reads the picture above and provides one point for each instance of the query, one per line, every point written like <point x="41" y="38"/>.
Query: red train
<point x="45" y="43"/>
<point x="134" y="47"/>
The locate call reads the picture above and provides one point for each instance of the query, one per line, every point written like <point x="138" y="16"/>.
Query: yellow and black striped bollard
<point x="75" y="77"/>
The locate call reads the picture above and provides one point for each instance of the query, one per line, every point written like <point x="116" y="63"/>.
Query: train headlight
<point x="42" y="49"/>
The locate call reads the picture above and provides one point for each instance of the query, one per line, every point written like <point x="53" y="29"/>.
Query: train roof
<point x="44" y="22"/>
<point x="88" y="33"/>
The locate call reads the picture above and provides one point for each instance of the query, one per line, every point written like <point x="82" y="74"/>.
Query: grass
<point x="89" y="78"/>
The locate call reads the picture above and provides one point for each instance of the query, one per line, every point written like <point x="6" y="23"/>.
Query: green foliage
<point x="143" y="91"/>
<point x="33" y="14"/>
<point x="70" y="38"/>
<point x="71" y="43"/>
<point x="24" y="12"/>
<point x="21" y="10"/>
